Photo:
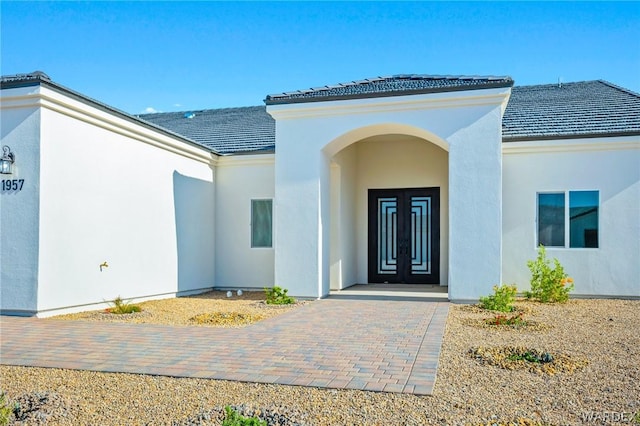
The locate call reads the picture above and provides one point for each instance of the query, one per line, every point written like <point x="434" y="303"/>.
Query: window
<point x="579" y="221"/>
<point x="551" y="220"/>
<point x="261" y="223"/>
<point x="583" y="218"/>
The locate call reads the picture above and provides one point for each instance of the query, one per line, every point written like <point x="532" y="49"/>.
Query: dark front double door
<point x="404" y="235"/>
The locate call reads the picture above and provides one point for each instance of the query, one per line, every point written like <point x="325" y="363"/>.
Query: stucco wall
<point x="115" y="191"/>
<point x="20" y="210"/>
<point x="466" y="124"/>
<point x="475" y="207"/>
<point x="343" y="251"/>
<point x="239" y="180"/>
<point x="610" y="166"/>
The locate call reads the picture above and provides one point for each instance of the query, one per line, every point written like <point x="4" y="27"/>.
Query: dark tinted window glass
<point x="583" y="219"/>
<point x="551" y="220"/>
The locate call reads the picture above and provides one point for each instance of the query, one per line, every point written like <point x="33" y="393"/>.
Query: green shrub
<point x="531" y="356"/>
<point x="232" y="418"/>
<point x="501" y="300"/>
<point x="278" y="296"/>
<point x="548" y="284"/>
<point x="122" y="307"/>
<point x="6" y="410"/>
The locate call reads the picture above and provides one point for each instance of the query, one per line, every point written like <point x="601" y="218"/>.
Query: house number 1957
<point x="12" y="184"/>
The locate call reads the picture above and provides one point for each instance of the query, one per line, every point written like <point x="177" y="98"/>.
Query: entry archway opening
<point x="401" y="166"/>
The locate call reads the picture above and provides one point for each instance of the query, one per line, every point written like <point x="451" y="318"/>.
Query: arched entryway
<point x="389" y="211"/>
<point x="314" y="154"/>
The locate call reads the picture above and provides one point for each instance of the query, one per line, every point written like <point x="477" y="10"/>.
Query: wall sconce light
<point x="7" y="160"/>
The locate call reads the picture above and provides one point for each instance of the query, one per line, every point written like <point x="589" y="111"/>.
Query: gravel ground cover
<point x="194" y="310"/>
<point x="603" y="389"/>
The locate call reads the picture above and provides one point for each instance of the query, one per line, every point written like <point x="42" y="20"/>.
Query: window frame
<point x="567" y="219"/>
<point x="251" y="224"/>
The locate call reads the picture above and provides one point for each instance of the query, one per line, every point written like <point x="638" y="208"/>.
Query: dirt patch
<point x="226" y="318"/>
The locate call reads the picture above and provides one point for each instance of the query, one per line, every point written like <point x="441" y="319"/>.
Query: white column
<point x="301" y="216"/>
<point x="475" y="209"/>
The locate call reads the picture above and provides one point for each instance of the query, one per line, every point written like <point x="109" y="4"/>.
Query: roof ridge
<point x="394" y="85"/>
<point x="571" y="83"/>
<point x="620" y="88"/>
<point x="34" y="76"/>
<point x="199" y="110"/>
<point x="406" y="77"/>
<point x="562" y="83"/>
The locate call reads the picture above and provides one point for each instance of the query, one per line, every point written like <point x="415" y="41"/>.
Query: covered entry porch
<point x="389" y="212"/>
<point x="336" y="149"/>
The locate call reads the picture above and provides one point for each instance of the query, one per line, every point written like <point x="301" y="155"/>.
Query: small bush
<point x="6" y="410"/>
<point x="548" y="285"/>
<point x="122" y="307"/>
<point x="531" y="356"/>
<point x="278" y="296"/>
<point x="527" y="358"/>
<point x="501" y="300"/>
<point x="514" y="320"/>
<point x="232" y="418"/>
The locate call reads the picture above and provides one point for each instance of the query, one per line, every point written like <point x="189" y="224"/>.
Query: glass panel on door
<point x="387" y="235"/>
<point x="420" y="241"/>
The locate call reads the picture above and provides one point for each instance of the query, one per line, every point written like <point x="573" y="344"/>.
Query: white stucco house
<point x="416" y="179"/>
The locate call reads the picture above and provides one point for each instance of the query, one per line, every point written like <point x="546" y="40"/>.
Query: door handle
<point x="403" y="246"/>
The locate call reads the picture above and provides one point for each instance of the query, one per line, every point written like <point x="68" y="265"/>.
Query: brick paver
<point x="381" y="345"/>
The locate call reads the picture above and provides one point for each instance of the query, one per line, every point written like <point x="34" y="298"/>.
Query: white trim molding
<point x="603" y="143"/>
<point x="245" y="160"/>
<point x="43" y="97"/>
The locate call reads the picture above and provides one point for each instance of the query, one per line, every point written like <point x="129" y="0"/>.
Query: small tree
<point x="548" y="284"/>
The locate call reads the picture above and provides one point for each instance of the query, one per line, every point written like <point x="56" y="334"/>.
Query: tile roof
<point x="583" y="109"/>
<point x="37" y="78"/>
<point x="397" y="85"/>
<point x="23" y="79"/>
<point x="551" y="111"/>
<point x="225" y="131"/>
<point x="570" y="110"/>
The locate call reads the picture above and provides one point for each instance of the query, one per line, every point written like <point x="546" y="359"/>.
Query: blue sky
<point x="175" y="56"/>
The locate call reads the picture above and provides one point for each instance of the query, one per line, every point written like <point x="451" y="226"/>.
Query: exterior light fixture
<point x="7" y="160"/>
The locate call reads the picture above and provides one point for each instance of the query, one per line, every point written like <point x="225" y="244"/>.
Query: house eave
<point x="546" y="137"/>
<point x="601" y="143"/>
<point x="22" y="81"/>
<point x="299" y="100"/>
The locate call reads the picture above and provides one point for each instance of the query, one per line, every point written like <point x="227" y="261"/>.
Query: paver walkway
<point x="382" y="345"/>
